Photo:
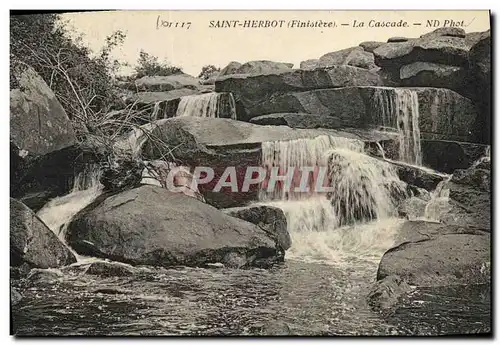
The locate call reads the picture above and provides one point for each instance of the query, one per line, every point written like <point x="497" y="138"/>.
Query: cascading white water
<point x="363" y="191"/>
<point x="485" y="159"/>
<point x="365" y="188"/>
<point x="58" y="212"/>
<point x="300" y="153"/>
<point x="156" y="111"/>
<point x="207" y="105"/>
<point x="439" y="202"/>
<point x="398" y="108"/>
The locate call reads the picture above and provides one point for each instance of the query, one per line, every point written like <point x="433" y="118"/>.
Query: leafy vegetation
<point x="82" y="82"/>
<point x="208" y="71"/>
<point x="149" y="65"/>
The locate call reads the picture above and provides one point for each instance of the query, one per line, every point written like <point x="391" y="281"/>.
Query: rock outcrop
<point x="231" y="68"/>
<point x="444" y="58"/>
<point x="166" y="83"/>
<point x="271" y="219"/>
<point x="38" y="123"/>
<point x="445" y="50"/>
<point x="470" y="198"/>
<point x="448" y="259"/>
<point x="480" y="81"/>
<point x="355" y="56"/>
<point x="32" y="243"/>
<point x="298" y="120"/>
<point x="433" y="75"/>
<point x="44" y="153"/>
<point x="434" y="254"/>
<point x="261" y="67"/>
<point x="220" y="143"/>
<point x="443" y="114"/>
<point x="251" y="90"/>
<point x="447" y="156"/>
<point x="149" y="225"/>
<point x="386" y="293"/>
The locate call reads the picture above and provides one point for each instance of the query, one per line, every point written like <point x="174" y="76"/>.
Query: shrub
<point x="148" y="65"/>
<point x="208" y="71"/>
<point x="82" y="83"/>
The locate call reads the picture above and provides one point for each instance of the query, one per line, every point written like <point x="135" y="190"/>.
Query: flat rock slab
<point x="443" y="114"/>
<point x="251" y="90"/>
<point x="298" y="120"/>
<point x="438" y="49"/>
<point x="149" y="97"/>
<point x="167" y="83"/>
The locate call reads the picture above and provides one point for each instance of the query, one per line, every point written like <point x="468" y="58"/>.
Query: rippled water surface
<point x="297" y="298"/>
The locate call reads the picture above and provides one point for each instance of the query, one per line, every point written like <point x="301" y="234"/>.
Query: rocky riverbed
<point x="102" y="245"/>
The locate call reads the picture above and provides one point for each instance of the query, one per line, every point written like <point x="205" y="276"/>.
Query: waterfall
<point x="398" y="108"/>
<point x="365" y="188"/>
<point x="88" y="178"/>
<point x="156" y="112"/>
<point x="300" y="153"/>
<point x="211" y="104"/>
<point x="485" y="159"/>
<point x="58" y="212"/>
<point x="439" y="204"/>
<point x="329" y="225"/>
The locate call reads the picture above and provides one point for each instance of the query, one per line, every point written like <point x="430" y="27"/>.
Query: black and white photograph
<point x="250" y="173"/>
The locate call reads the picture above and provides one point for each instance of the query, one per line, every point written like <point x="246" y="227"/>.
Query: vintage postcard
<point x="250" y="173"/>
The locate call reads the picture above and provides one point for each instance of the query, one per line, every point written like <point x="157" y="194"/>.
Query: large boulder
<point x="445" y="50"/>
<point x="448" y="259"/>
<point x="270" y="219"/>
<point x="470" y="198"/>
<point x="262" y="67"/>
<point x="445" y="31"/>
<point x="149" y="225"/>
<point x="480" y="81"/>
<point x="44" y="177"/>
<point x="44" y="153"/>
<point x="152" y="97"/>
<point x="447" y="156"/>
<point x="443" y="114"/>
<point x="422" y="230"/>
<point x="231" y="68"/>
<point x="250" y="91"/>
<point x="433" y="75"/>
<point x="370" y="46"/>
<point x="298" y="120"/>
<point x="386" y="293"/>
<point x="355" y="56"/>
<point x="167" y="83"/>
<point x="38" y="123"/>
<point x="32" y="242"/>
<point x="309" y="64"/>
